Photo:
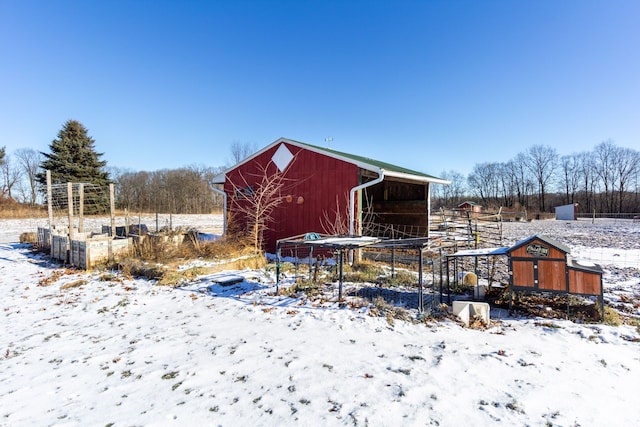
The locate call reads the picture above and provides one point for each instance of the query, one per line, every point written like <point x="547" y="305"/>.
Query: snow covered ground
<point x="101" y="349"/>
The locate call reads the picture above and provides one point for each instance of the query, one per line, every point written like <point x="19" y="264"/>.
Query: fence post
<point x="50" y="211"/>
<point x="81" y="207"/>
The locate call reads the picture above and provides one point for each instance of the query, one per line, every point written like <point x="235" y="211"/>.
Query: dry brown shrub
<point x="159" y="247"/>
<point x="225" y="247"/>
<point x="382" y="308"/>
<point x="131" y="267"/>
<point x="612" y="317"/>
<point x="28" y="237"/>
<point x="159" y="257"/>
<point x="168" y="247"/>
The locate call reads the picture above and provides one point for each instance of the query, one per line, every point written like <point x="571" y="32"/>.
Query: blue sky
<point x="427" y="85"/>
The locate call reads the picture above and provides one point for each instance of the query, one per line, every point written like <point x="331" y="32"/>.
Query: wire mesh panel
<point x="84" y="198"/>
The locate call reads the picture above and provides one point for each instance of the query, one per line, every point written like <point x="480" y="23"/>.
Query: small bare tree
<point x="542" y="163"/>
<point x="627" y="167"/>
<point x="337" y="222"/>
<point x="570" y="179"/>
<point x="255" y="197"/>
<point x="30" y="161"/>
<point x="11" y="175"/>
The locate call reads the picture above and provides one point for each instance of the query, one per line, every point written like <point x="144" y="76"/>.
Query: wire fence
<point x="634" y="216"/>
<point x="607" y="256"/>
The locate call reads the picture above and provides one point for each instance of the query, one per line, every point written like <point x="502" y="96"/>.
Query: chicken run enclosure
<point x="462" y="258"/>
<point x="400" y="248"/>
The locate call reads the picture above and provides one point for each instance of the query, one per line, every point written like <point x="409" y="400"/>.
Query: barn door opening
<point x="396" y="209"/>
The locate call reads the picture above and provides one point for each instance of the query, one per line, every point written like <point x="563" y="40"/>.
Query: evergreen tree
<point x="73" y="159"/>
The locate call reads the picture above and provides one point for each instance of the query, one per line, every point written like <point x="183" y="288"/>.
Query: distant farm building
<point x="470" y="206"/>
<point x="331" y="192"/>
<point x="567" y="212"/>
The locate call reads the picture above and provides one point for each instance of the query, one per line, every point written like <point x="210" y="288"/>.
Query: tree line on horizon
<point x="604" y="180"/>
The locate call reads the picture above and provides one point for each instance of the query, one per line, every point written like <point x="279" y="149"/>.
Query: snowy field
<point x="121" y="352"/>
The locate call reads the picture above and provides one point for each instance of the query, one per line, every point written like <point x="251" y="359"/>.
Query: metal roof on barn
<point x="376" y="166"/>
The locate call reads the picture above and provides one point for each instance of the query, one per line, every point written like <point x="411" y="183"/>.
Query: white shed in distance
<point x="567" y="212"/>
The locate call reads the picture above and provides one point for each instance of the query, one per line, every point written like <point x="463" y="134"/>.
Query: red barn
<point x="326" y="191"/>
<point x="470" y="206"/>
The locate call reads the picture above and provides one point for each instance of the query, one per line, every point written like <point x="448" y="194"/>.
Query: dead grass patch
<point x="612" y="317"/>
<point x="302" y="286"/>
<point x="402" y="278"/>
<point x="48" y="281"/>
<point x="172" y="273"/>
<point x="382" y="308"/>
<point x="363" y="271"/>
<point x="74" y="284"/>
<point x="10" y="209"/>
<point x="131" y="267"/>
<point x="220" y="248"/>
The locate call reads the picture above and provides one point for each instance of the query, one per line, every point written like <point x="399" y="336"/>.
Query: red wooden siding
<point x="536" y="259"/>
<point x="584" y="282"/>
<point x="523" y="273"/>
<point x="538" y="265"/>
<point x="552" y="275"/>
<point x="315" y="183"/>
<point x="521" y="252"/>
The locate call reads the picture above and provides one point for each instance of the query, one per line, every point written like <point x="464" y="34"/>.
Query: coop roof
<point x="543" y="238"/>
<point x="585" y="266"/>
<point x="480" y="252"/>
<point x="366" y="163"/>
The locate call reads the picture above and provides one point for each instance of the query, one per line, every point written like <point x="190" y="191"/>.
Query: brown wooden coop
<point x="541" y="264"/>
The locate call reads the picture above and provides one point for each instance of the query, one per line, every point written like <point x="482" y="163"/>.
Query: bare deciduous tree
<point x="241" y="150"/>
<point x="3" y="153"/>
<point x="628" y="165"/>
<point x="605" y="167"/>
<point x="507" y="184"/>
<point x="183" y="191"/>
<point x="517" y="168"/>
<point x="11" y="175"/>
<point x="452" y="194"/>
<point x="586" y="175"/>
<point x="254" y="199"/>
<point x="542" y="164"/>
<point x="484" y="181"/>
<point x="337" y="222"/>
<point x="570" y="180"/>
<point x="30" y="160"/>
